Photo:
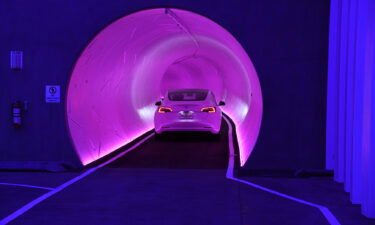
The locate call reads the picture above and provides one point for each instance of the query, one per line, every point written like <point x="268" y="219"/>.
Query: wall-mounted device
<point x="16" y="60"/>
<point x="17" y="114"/>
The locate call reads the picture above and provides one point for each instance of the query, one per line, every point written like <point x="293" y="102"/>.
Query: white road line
<point x="230" y="175"/>
<point x="33" y="203"/>
<point x="26" y="185"/>
<point x="324" y="210"/>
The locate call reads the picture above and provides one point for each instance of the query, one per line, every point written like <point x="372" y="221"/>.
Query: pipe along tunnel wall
<point x="130" y="64"/>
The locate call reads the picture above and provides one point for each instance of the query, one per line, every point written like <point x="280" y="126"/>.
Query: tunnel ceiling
<point x="130" y="64"/>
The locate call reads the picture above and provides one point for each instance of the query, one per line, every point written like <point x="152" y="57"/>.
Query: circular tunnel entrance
<point x="130" y="64"/>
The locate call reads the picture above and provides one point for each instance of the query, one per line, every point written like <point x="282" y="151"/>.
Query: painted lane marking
<point x="26" y="185"/>
<point x="40" y="199"/>
<point x="229" y="175"/>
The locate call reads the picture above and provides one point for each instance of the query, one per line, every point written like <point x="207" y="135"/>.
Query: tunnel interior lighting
<point x="134" y="61"/>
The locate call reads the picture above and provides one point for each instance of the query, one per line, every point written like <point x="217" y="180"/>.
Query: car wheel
<point x="158" y="137"/>
<point x="216" y="137"/>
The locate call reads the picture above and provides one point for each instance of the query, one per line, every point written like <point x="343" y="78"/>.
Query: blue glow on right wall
<point x="350" y="146"/>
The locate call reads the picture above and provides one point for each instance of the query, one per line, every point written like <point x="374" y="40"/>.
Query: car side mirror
<point x="221" y="103"/>
<point x="158" y="103"/>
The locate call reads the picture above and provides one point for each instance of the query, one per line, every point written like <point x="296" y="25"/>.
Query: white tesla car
<point x="188" y="110"/>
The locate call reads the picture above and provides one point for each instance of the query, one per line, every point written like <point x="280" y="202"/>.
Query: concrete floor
<point x="173" y="181"/>
<point x="159" y="196"/>
<point x="319" y="190"/>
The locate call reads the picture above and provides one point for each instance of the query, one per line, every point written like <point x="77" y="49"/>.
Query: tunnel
<point x="131" y="63"/>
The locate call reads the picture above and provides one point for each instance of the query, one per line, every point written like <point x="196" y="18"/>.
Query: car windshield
<point x="188" y="95"/>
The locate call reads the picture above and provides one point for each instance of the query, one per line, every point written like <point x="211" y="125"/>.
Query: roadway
<point x="180" y="179"/>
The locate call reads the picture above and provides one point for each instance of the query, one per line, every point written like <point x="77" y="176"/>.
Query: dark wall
<point x="288" y="44"/>
<point x="286" y="40"/>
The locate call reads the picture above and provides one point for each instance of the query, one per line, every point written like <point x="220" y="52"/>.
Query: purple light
<point x="129" y="65"/>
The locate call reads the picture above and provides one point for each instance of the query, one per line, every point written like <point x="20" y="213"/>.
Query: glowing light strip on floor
<point x="324" y="210"/>
<point x="26" y="185"/>
<point x="40" y="199"/>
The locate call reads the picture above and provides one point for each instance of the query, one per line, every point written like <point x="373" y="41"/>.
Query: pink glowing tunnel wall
<point x="130" y="64"/>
